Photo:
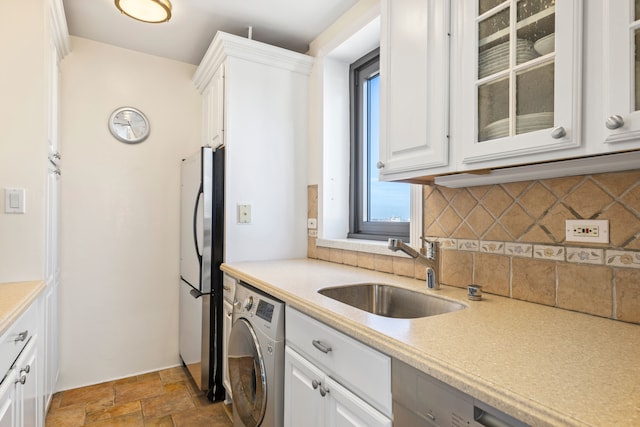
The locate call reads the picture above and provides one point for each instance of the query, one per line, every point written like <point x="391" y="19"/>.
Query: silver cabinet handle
<point x="379" y="165"/>
<point x="22" y="379"/>
<point x="322" y="347"/>
<point x="323" y="391"/>
<point x="23" y="375"/>
<point x="22" y="336"/>
<point x="558" y="133"/>
<point x="614" y="122"/>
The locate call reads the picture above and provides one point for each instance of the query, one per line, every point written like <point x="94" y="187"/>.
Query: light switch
<point x="244" y="214"/>
<point x="14" y="200"/>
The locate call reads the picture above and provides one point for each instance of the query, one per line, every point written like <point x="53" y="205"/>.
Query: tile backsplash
<point x="510" y="239"/>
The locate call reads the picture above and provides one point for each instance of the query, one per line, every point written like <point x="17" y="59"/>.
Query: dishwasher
<point x="420" y="400"/>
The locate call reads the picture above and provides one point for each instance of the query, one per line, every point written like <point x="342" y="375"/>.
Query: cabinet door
<point x="7" y="400"/>
<point x="213" y="110"/>
<point x="50" y="336"/>
<point x="621" y="73"/>
<point x="53" y="98"/>
<point x="345" y="409"/>
<point x="518" y="81"/>
<point x="227" y="312"/>
<point x="414" y="92"/>
<point x="27" y="387"/>
<point x="303" y="404"/>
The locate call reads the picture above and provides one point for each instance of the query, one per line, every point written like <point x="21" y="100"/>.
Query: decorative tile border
<point x="623" y="259"/>
<point x="448" y="243"/>
<point x="612" y="258"/>
<point x="519" y="249"/>
<point x="468" y="245"/>
<point x="492" y="247"/>
<point x="585" y="255"/>
<point x="555" y="253"/>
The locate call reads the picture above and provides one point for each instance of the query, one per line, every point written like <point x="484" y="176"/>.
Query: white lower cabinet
<point x="21" y="386"/>
<point x="332" y="379"/>
<point x="314" y="399"/>
<point x="228" y="293"/>
<point x="27" y="387"/>
<point x="7" y="402"/>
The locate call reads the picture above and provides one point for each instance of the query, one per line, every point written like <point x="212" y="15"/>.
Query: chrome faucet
<point x="430" y="260"/>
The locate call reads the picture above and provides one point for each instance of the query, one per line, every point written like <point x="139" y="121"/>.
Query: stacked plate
<point x="524" y="124"/>
<point x="545" y="44"/>
<point x="496" y="58"/>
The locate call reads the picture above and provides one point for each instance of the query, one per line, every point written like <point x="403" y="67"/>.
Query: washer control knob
<point x="248" y="303"/>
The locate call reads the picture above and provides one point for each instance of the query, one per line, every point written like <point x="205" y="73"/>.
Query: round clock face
<point x="128" y="124"/>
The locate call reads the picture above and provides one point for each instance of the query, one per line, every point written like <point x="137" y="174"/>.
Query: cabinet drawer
<point x="16" y="337"/>
<point x="228" y="287"/>
<point x="359" y="368"/>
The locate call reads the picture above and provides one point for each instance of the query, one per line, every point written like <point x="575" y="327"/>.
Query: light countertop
<point x="543" y="365"/>
<point x="15" y="298"/>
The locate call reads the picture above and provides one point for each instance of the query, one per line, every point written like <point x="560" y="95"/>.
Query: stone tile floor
<point x="164" y="398"/>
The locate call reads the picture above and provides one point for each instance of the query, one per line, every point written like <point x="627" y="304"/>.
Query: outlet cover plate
<point x="587" y="230"/>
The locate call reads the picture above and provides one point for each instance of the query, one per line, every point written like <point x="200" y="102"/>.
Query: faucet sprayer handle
<point x="430" y="246"/>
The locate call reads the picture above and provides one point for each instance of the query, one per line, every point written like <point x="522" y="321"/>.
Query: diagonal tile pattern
<point x="534" y="211"/>
<point x="166" y="398"/>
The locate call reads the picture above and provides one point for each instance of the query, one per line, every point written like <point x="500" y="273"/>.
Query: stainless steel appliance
<point x="201" y="253"/>
<point x="256" y="359"/>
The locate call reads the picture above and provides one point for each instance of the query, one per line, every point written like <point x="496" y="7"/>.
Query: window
<point x="378" y="210"/>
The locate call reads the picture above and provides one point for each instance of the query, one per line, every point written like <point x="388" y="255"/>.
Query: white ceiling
<point x="291" y="24"/>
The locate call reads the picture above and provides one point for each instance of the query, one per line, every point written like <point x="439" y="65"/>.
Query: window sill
<point x="358" y="245"/>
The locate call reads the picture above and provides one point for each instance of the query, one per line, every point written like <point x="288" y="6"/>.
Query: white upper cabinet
<point x="414" y="90"/>
<point x="621" y="74"/>
<point x="517" y="84"/>
<point x="213" y="110"/>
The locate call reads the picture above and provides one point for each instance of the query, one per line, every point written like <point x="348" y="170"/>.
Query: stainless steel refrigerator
<point x="201" y="253"/>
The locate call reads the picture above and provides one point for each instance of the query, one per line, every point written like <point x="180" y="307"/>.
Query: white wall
<point x="349" y="38"/>
<point x="23" y="145"/>
<point x="120" y="212"/>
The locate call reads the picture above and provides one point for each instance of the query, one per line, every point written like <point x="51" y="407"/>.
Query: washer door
<point x="246" y="373"/>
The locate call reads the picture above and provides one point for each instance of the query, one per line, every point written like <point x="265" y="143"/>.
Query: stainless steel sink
<point x="391" y="301"/>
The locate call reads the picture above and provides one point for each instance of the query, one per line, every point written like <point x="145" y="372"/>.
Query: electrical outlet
<point x="587" y="230"/>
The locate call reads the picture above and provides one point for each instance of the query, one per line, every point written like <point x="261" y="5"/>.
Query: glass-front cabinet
<point x="621" y="118"/>
<point x="519" y="85"/>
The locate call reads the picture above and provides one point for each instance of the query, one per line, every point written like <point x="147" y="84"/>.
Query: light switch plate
<point x="14" y="200"/>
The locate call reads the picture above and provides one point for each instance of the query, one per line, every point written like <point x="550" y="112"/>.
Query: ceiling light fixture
<point x="153" y="11"/>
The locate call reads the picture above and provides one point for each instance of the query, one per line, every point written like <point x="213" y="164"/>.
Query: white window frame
<point x="330" y="135"/>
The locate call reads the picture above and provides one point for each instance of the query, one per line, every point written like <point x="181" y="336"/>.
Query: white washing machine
<point x="256" y="358"/>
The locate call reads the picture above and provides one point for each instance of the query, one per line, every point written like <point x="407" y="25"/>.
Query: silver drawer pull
<point x="323" y="348"/>
<point x="323" y="391"/>
<point x="26" y="369"/>
<point x="315" y="384"/>
<point x="22" y="336"/>
<point x="22" y="379"/>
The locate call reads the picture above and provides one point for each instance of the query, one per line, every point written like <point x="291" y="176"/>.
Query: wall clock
<point x="129" y="125"/>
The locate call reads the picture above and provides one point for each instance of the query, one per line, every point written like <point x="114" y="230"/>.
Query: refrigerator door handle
<point x="195" y="226"/>
<point x="195" y="293"/>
